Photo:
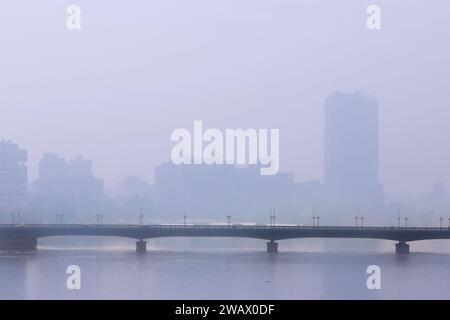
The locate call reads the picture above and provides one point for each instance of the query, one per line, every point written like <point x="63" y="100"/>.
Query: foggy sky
<point x="115" y="90"/>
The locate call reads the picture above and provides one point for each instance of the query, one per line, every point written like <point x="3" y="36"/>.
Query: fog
<point x="116" y="89"/>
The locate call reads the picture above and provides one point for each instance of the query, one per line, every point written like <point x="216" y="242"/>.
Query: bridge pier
<point x="18" y="244"/>
<point x="141" y="246"/>
<point x="272" y="247"/>
<point x="401" y="248"/>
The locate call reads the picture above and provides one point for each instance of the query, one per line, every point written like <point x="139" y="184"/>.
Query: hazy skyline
<point x="115" y="90"/>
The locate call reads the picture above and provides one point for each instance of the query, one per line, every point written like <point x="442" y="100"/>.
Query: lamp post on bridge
<point x="229" y="220"/>
<point x="272" y="217"/>
<point x="362" y="221"/>
<point x="406" y="222"/>
<point x="99" y="218"/>
<point x="440" y="223"/>
<point x="141" y="219"/>
<point x="185" y="217"/>
<point x="318" y="221"/>
<point x="356" y="222"/>
<point x="314" y="220"/>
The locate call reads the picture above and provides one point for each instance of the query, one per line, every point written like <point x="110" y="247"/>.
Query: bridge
<point x="23" y="237"/>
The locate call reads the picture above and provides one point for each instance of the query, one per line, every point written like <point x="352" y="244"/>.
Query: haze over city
<point x="198" y="149"/>
<point x="115" y="91"/>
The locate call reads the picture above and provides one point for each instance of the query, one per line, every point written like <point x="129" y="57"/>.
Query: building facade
<point x="72" y="178"/>
<point x="213" y="191"/>
<point x="351" y="148"/>
<point x="13" y="178"/>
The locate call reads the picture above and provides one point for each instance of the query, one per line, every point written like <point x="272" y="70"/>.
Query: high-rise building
<point x="13" y="177"/>
<point x="351" y="148"/>
<point x="52" y="174"/>
<point x="70" y="178"/>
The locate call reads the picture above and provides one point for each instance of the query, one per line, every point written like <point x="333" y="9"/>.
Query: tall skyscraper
<point x="351" y="148"/>
<point x="13" y="177"/>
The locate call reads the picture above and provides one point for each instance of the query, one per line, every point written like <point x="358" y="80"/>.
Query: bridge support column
<point x="141" y="246"/>
<point x="18" y="244"/>
<point x="402" y="248"/>
<point x="272" y="247"/>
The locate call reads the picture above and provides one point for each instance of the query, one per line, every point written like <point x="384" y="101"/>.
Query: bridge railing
<point x="230" y="226"/>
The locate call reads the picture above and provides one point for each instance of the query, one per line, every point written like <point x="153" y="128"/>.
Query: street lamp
<point x="229" y="220"/>
<point x="99" y="218"/>
<point x="406" y="222"/>
<point x="318" y="221"/>
<point x="440" y="222"/>
<point x="141" y="219"/>
<point x="185" y="217"/>
<point x="362" y="221"/>
<point x="356" y="221"/>
<point x="314" y="220"/>
<point x="272" y="217"/>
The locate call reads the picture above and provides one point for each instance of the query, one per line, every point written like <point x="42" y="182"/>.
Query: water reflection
<point x="122" y="274"/>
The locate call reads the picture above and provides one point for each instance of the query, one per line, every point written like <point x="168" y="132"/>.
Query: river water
<point x="236" y="273"/>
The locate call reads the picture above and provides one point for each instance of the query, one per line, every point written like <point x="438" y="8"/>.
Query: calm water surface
<point x="237" y="274"/>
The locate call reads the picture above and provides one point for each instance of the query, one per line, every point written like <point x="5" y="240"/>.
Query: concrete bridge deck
<point x="24" y="236"/>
